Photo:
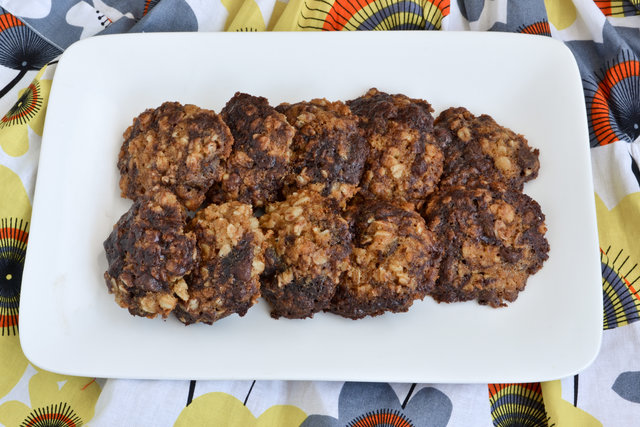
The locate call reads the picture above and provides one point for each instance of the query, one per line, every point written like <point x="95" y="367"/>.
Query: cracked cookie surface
<point x="405" y="157"/>
<point x="225" y="279"/>
<point x="328" y="150"/>
<point x="176" y="147"/>
<point x="493" y="238"/>
<point x="149" y="253"/>
<point x="305" y="254"/>
<point x="259" y="161"/>
<point x="394" y="261"/>
<point x="481" y="152"/>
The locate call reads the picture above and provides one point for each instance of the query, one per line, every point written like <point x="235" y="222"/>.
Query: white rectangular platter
<point x="70" y="324"/>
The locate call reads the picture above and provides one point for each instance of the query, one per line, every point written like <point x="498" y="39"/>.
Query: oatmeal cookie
<point x="481" y="151"/>
<point x="230" y="260"/>
<point x="261" y="152"/>
<point x="494" y="239"/>
<point x="394" y="261"/>
<point x="405" y="158"/>
<point x="305" y="254"/>
<point x="179" y="148"/>
<point x="149" y="253"/>
<point x="328" y="150"/>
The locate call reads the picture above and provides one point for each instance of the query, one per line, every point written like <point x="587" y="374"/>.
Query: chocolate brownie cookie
<point x="179" y="148"/>
<point x="394" y="261"/>
<point x="306" y="254"/>
<point x="494" y="239"/>
<point x="328" y="149"/>
<point x="481" y="151"/>
<point x="149" y="253"/>
<point x="230" y="260"/>
<point x="261" y="152"/>
<point x="405" y="158"/>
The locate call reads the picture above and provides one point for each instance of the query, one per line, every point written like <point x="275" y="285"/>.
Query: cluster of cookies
<point x="354" y="208"/>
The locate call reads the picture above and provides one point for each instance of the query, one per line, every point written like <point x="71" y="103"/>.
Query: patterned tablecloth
<point x="604" y="36"/>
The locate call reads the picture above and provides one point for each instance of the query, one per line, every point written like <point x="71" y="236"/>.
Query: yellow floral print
<point x="232" y="6"/>
<point x="615" y="227"/>
<point x="29" y="110"/>
<point x="13" y="363"/>
<point x="248" y="18"/>
<point x="221" y="409"/>
<point x="561" y="412"/>
<point x="55" y="400"/>
<point x="278" y="8"/>
<point x="14" y="202"/>
<point x="561" y="13"/>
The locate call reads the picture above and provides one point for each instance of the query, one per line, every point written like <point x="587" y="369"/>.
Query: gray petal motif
<point x="471" y="9"/>
<point x="430" y="408"/>
<point x="627" y="385"/>
<point x="373" y="403"/>
<point x="320" y="421"/>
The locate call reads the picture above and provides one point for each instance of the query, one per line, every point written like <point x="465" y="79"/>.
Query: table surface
<point x="604" y="38"/>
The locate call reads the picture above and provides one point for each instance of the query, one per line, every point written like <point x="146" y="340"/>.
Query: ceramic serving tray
<point x="70" y="324"/>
